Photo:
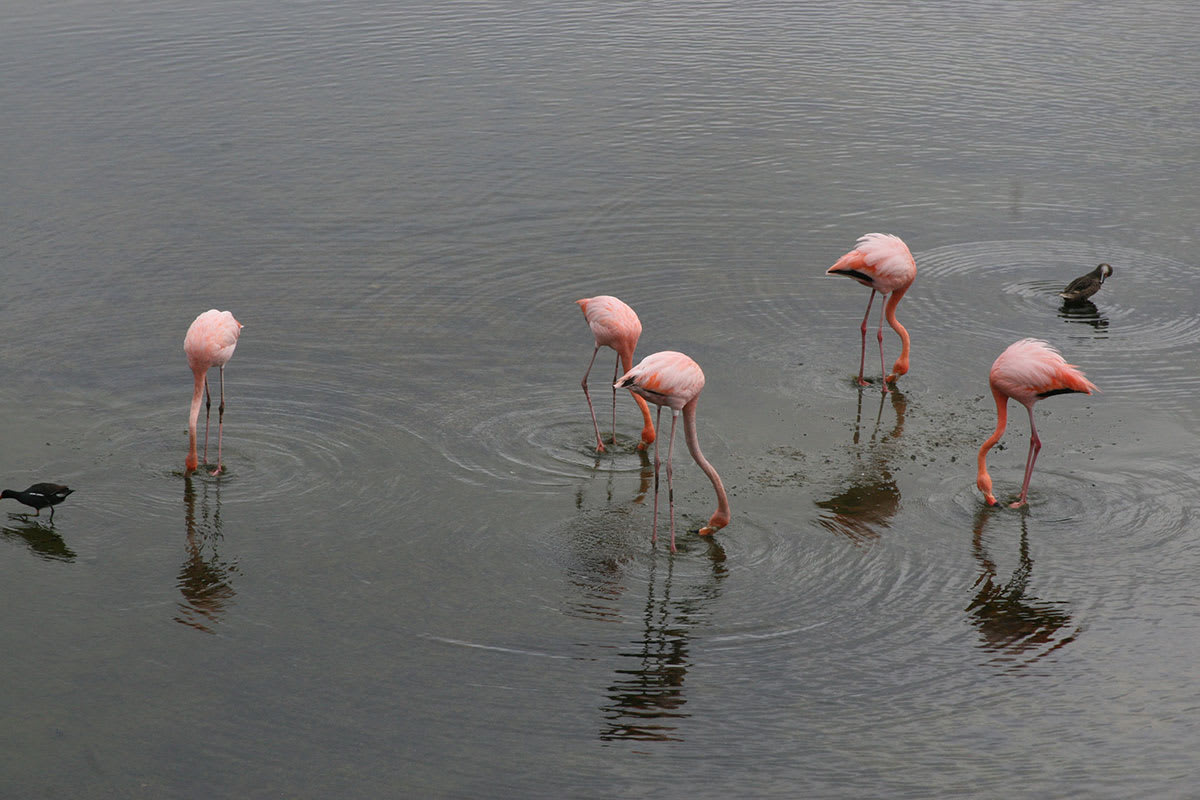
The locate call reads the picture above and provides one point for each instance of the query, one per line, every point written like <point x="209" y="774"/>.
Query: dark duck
<point x="1085" y="286"/>
<point x="39" y="496"/>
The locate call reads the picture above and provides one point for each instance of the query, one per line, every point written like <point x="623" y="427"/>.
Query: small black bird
<point x="1084" y="287"/>
<point x="39" y="496"/>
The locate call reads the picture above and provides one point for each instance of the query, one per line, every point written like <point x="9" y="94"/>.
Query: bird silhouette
<point x="39" y="496"/>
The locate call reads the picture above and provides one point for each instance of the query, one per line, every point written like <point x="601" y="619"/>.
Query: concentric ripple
<point x="609" y="559"/>
<point x="1092" y="499"/>
<point x="1134" y="516"/>
<point x="1131" y="338"/>
<point x="542" y="439"/>
<point x="809" y="589"/>
<point x="279" y="445"/>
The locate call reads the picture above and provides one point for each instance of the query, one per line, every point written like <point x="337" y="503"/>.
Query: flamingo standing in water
<point x="672" y="379"/>
<point x="882" y="263"/>
<point x="615" y="325"/>
<point x="1027" y="371"/>
<point x="210" y="341"/>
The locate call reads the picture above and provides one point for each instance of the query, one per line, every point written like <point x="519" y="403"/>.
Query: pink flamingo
<point x="672" y="379"/>
<point x="210" y="341"/>
<point x="1027" y="371"/>
<point x="615" y="325"/>
<point x="882" y="263"/>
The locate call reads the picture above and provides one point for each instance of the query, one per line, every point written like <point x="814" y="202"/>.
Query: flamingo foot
<point x="599" y="447"/>
<point x="1017" y="504"/>
<point x="217" y="471"/>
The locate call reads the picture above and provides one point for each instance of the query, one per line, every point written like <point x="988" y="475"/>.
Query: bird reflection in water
<point x="1014" y="625"/>
<point x="204" y="578"/>
<point x="1083" y="312"/>
<point x="645" y="471"/>
<point x="647" y="699"/>
<point x="865" y="509"/>
<point x="42" y="540"/>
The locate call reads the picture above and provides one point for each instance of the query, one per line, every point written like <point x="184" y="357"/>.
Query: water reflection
<point x="600" y="558"/>
<point x="204" y="578"/>
<point x="647" y="699"/>
<point x="865" y="509"/>
<point x="645" y="473"/>
<point x="1013" y="624"/>
<point x="1083" y="312"/>
<point x="42" y="540"/>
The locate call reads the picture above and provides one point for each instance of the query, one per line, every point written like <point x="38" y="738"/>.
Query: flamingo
<point x="1085" y="286"/>
<point x="210" y="341"/>
<point x="669" y="378"/>
<point x="882" y="263"/>
<point x="615" y="325"/>
<point x="1027" y="371"/>
<point x="39" y="496"/>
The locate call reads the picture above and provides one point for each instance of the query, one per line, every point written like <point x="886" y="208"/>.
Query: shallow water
<point x="417" y="578"/>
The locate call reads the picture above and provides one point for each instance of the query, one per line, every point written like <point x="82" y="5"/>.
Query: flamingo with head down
<point x="882" y="263"/>
<point x="1028" y="371"/>
<point x="672" y="379"/>
<point x="614" y="324"/>
<point x="210" y="341"/>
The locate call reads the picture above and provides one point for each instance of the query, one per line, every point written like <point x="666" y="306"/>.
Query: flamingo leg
<point x="583" y="383"/>
<point x="616" y="374"/>
<point x="1035" y="446"/>
<point x="862" y="360"/>
<point x="879" y="336"/>
<point x="220" y="422"/>
<point x="207" y="408"/>
<point x="657" y="462"/>
<point x="670" y="475"/>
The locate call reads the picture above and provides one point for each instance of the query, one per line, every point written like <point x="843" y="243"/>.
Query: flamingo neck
<point x="983" y="480"/>
<point x="889" y="311"/>
<point x="626" y="354"/>
<point x="193" y="460"/>
<point x="720" y="517"/>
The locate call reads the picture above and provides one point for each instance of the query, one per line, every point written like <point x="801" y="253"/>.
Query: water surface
<point x="417" y="578"/>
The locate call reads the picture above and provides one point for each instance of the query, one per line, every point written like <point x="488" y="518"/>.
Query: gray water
<point x="417" y="579"/>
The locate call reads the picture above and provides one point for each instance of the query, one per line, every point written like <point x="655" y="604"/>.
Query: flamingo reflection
<point x="204" y="578"/>
<point x="645" y="473"/>
<point x="865" y="509"/>
<point x="1012" y="623"/>
<point x="647" y="699"/>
